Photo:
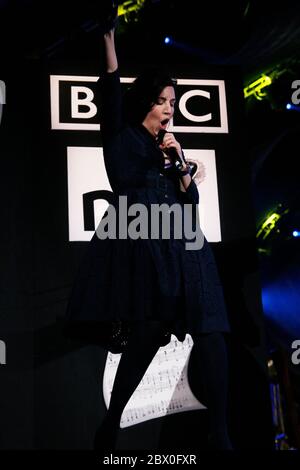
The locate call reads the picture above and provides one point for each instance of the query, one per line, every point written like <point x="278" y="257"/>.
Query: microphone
<point x="171" y="152"/>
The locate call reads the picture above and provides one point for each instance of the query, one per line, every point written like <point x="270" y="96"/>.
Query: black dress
<point x="121" y="281"/>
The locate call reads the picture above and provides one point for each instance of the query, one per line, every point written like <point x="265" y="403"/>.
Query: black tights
<point x="142" y="347"/>
<point x="211" y="354"/>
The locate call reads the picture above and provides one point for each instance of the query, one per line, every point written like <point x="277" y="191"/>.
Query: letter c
<point x="192" y="117"/>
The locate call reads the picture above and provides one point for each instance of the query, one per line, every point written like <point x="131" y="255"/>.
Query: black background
<point x="51" y="388"/>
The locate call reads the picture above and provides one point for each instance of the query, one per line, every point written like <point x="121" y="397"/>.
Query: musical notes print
<point x="163" y="390"/>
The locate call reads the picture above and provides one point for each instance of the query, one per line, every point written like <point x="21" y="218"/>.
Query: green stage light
<point x="255" y="87"/>
<point x="130" y="7"/>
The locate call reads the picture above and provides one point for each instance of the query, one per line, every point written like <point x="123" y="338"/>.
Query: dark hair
<point x="143" y="93"/>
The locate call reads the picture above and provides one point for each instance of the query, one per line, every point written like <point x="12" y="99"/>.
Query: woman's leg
<point x="211" y="356"/>
<point x="142" y="346"/>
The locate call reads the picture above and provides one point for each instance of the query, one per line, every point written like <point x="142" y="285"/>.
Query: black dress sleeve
<point x="111" y="113"/>
<point x="191" y="194"/>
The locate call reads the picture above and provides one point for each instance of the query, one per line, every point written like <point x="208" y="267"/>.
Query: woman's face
<point x="161" y="112"/>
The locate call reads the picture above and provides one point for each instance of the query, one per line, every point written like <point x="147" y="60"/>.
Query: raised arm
<point x="110" y="51"/>
<point x="111" y="118"/>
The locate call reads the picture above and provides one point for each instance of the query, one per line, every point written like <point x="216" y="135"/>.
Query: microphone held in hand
<point x="171" y="152"/>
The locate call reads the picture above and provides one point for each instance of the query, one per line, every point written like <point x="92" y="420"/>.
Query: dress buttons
<point x="166" y="195"/>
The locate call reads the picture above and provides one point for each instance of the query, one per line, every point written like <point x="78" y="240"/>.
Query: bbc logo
<point x="202" y="106"/>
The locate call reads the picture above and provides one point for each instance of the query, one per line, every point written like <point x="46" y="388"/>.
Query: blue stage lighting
<point x="280" y="299"/>
<point x="168" y="40"/>
<point x="288" y="106"/>
<point x="296" y="233"/>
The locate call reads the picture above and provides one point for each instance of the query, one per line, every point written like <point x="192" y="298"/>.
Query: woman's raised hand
<point x="108" y="15"/>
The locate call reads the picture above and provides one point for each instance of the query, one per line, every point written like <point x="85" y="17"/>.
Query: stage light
<point x="167" y="40"/>
<point x="280" y="296"/>
<point x="292" y="107"/>
<point x="269" y="229"/>
<point x="255" y="87"/>
<point x="268" y="225"/>
<point x="296" y="233"/>
<point x="129" y="8"/>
